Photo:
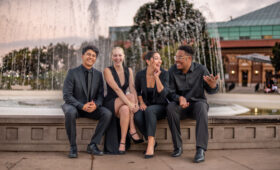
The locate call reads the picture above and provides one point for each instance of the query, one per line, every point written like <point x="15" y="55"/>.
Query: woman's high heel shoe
<point x="155" y="146"/>
<point x="122" y="152"/>
<point x="134" y="140"/>
<point x="150" y="156"/>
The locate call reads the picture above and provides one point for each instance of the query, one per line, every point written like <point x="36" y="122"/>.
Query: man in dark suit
<point x="83" y="96"/>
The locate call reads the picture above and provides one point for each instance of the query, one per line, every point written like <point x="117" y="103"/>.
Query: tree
<point x="48" y="64"/>
<point x="165" y="24"/>
<point x="164" y="14"/>
<point x="275" y="60"/>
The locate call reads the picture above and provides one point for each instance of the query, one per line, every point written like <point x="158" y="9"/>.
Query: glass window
<point x="276" y="37"/>
<point x="267" y="28"/>
<point x="276" y="27"/>
<point x="244" y="29"/>
<point x="235" y="29"/>
<point x="234" y="38"/>
<point x="266" y="32"/>
<point x="256" y="33"/>
<point x="244" y="33"/>
<point x="256" y="28"/>
<point x="226" y="38"/>
<point x="255" y="37"/>
<point x="276" y="33"/>
<point x="224" y="30"/>
<point x="234" y="34"/>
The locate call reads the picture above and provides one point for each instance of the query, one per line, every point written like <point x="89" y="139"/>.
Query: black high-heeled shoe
<point x="134" y="140"/>
<point x="122" y="152"/>
<point x="155" y="146"/>
<point x="150" y="156"/>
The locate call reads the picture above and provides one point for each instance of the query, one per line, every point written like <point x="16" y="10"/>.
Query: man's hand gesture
<point x="211" y="80"/>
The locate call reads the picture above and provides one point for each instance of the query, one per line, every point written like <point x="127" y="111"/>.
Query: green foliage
<point x="22" y="66"/>
<point x="165" y="13"/>
<point x="163" y="25"/>
<point x="275" y="60"/>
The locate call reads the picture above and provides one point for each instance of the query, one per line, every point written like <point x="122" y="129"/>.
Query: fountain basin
<point x="39" y="126"/>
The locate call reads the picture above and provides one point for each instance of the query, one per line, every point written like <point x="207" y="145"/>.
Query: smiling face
<point x="155" y="62"/>
<point x="183" y="60"/>
<point x="89" y="58"/>
<point x="117" y="56"/>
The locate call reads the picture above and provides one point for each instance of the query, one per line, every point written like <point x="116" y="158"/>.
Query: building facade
<point x="253" y="33"/>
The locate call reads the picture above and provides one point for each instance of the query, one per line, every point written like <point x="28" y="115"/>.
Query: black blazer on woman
<point x="141" y="87"/>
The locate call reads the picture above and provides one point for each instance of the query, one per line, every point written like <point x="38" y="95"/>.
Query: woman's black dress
<point x="113" y="133"/>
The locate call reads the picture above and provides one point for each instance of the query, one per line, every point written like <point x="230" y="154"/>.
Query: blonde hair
<point x="122" y="51"/>
<point x="117" y="48"/>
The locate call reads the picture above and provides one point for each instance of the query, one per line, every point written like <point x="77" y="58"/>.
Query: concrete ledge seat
<point x="47" y="133"/>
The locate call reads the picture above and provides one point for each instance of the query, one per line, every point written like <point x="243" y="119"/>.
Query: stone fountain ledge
<point x="57" y="112"/>
<point x="264" y="101"/>
<point x="43" y="130"/>
<point x="32" y="94"/>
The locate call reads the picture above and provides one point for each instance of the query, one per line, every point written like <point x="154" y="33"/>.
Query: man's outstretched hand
<point x="211" y="80"/>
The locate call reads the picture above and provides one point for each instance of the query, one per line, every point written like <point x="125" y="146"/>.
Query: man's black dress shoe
<point x="93" y="149"/>
<point x="73" y="152"/>
<point x="177" y="152"/>
<point x="199" y="156"/>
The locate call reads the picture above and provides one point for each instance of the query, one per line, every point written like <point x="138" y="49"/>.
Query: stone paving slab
<point x="246" y="159"/>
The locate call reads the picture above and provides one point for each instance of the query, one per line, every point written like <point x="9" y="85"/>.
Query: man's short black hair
<point x="90" y="47"/>
<point x="187" y="49"/>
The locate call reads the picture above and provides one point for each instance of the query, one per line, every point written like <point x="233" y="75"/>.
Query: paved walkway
<point x="245" y="159"/>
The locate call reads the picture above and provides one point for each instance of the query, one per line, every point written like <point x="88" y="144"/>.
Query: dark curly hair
<point x="90" y="47"/>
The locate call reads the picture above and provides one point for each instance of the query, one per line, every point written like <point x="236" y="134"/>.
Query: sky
<point x="213" y="10"/>
<point x="38" y="22"/>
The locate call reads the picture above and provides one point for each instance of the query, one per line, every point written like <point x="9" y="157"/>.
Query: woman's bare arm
<point x="112" y="83"/>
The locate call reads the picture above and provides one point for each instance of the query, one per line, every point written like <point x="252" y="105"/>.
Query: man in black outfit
<point x="83" y="96"/>
<point x="187" y="82"/>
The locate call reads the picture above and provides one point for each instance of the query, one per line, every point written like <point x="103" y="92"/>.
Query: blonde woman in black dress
<point x="119" y="79"/>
